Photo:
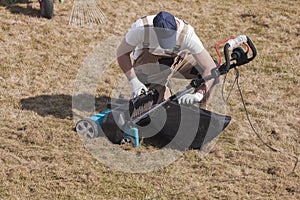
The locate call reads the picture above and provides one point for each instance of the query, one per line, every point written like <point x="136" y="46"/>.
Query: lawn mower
<point x="129" y="121"/>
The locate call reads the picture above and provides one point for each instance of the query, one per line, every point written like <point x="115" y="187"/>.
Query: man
<point x="156" y="42"/>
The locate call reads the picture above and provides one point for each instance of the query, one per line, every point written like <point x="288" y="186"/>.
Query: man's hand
<point x="190" y="98"/>
<point x="136" y="87"/>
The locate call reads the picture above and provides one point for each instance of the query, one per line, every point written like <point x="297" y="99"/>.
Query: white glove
<point x="136" y="87"/>
<point x="190" y="98"/>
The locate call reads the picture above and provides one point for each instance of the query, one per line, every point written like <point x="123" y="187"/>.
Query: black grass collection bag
<point x="171" y="125"/>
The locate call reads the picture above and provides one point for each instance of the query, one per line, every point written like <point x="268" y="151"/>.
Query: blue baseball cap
<point x="165" y="29"/>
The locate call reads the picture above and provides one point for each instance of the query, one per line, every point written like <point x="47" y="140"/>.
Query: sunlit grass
<point x="42" y="157"/>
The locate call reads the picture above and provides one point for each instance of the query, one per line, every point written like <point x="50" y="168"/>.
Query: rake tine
<point x="86" y="12"/>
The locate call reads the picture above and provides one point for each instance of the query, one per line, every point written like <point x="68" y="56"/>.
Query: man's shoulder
<point x="141" y="21"/>
<point x="185" y="26"/>
<point x="149" y="17"/>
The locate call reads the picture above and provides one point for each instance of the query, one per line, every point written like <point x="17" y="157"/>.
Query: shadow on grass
<point x="61" y="105"/>
<point x="21" y="7"/>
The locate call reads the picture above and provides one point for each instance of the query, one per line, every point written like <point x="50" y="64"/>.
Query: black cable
<point x="223" y="86"/>
<point x="257" y="134"/>
<point x="231" y="89"/>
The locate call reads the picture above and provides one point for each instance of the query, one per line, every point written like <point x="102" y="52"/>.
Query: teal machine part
<point x="98" y="118"/>
<point x="134" y="133"/>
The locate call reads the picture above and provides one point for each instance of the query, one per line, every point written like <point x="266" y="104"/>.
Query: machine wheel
<point x="46" y="7"/>
<point x="87" y="127"/>
<point x="127" y="140"/>
<point x="12" y="1"/>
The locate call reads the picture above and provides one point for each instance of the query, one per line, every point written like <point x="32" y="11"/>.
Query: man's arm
<point x="123" y="54"/>
<point x="207" y="63"/>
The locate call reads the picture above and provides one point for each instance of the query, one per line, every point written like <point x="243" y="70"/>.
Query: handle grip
<point x="230" y="45"/>
<point x="233" y="43"/>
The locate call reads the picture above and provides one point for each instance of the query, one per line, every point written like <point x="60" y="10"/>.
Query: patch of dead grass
<point x="42" y="157"/>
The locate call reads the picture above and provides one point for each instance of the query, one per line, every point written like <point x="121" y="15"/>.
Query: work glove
<point x="190" y="98"/>
<point x="137" y="87"/>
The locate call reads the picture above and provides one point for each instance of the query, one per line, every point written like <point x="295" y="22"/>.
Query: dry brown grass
<point x="41" y="157"/>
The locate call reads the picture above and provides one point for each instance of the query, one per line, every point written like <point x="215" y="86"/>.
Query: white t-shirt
<point x="135" y="37"/>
